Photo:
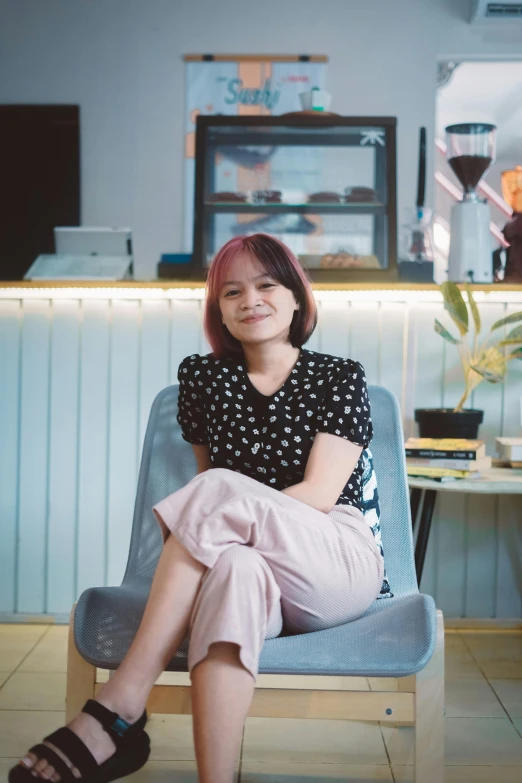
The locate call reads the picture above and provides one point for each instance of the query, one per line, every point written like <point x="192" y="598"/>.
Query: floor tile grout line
<point x="468" y="647"/>
<point x="27" y="655"/>
<point x="511" y="720"/>
<point x="386" y="751"/>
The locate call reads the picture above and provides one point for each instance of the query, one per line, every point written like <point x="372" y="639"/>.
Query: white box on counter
<point x="509" y="449"/>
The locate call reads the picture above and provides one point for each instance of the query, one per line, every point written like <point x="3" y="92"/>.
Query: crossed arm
<point x="331" y="462"/>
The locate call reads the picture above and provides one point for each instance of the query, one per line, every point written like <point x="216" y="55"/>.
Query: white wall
<point x="80" y="371"/>
<point x="121" y="60"/>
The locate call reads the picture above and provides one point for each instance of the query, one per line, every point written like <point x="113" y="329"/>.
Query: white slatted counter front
<point x="79" y="368"/>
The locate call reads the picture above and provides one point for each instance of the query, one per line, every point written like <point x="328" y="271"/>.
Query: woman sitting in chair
<point x="269" y="534"/>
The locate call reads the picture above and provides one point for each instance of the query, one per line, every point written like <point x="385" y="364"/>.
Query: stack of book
<point x="446" y="459"/>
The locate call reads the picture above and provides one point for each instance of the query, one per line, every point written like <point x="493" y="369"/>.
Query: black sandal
<point x="132" y="750"/>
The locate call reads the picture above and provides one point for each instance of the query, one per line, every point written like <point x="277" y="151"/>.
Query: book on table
<point x="484" y="463"/>
<point x="446" y="459"/>
<point x="437" y="473"/>
<point x="445" y="448"/>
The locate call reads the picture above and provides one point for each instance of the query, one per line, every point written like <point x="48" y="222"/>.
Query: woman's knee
<point x="243" y="560"/>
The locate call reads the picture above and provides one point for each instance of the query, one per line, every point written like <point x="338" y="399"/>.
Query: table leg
<point x="428" y="504"/>
<point x="415" y="498"/>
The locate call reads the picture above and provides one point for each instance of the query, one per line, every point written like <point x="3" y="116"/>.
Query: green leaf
<point x="486" y="374"/>
<point x="440" y="329"/>
<point x="516" y="354"/>
<point x="515" y="336"/>
<point x="509" y="319"/>
<point x="474" y="309"/>
<point x="455" y="305"/>
<point x="491" y="365"/>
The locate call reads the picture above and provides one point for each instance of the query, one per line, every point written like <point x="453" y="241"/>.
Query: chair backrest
<point x="389" y="462"/>
<point x="168" y="463"/>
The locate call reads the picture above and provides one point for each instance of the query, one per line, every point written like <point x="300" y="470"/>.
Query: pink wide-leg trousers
<point x="270" y="559"/>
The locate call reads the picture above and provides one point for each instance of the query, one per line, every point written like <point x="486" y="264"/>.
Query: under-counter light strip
<point x="102" y="293"/>
<point x="161" y="294"/>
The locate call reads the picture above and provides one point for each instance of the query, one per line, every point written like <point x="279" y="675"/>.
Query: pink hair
<point x="279" y="261"/>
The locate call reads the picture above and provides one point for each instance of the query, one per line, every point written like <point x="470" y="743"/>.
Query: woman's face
<point x="255" y="308"/>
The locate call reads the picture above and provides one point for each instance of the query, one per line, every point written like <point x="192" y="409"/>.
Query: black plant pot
<point x="444" y="423"/>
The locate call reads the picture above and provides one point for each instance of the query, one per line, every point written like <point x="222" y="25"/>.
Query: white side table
<point x="496" y="481"/>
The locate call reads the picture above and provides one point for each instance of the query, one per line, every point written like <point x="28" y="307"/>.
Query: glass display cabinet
<point x="324" y="185"/>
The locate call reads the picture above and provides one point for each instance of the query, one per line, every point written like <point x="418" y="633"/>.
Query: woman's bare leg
<point x="222" y="691"/>
<point x="163" y="627"/>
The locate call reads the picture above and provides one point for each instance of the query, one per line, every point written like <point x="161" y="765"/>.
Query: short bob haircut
<point x="281" y="264"/>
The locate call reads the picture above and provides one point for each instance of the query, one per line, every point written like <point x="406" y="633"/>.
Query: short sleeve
<point x="191" y="412"/>
<point x="346" y="408"/>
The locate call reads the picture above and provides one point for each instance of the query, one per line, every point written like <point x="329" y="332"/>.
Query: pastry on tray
<point x="228" y="196"/>
<point x="360" y="194"/>
<point x="341" y="261"/>
<point x="324" y="197"/>
<point x="344" y="260"/>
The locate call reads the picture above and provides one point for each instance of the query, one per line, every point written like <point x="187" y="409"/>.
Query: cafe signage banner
<point x="241" y="85"/>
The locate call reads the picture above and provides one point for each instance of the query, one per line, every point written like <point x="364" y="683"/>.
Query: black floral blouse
<point x="269" y="437"/>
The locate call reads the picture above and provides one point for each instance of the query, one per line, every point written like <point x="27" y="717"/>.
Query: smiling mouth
<point x="254" y="320"/>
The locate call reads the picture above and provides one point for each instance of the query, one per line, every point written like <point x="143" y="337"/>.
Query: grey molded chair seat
<point x="397" y="637"/>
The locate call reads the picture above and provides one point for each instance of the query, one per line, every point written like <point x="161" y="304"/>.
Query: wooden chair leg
<point x="404" y="685"/>
<point x="81" y="677"/>
<point x="429" y="715"/>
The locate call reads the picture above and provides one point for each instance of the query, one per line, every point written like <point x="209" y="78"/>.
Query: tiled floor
<point x="483" y="719"/>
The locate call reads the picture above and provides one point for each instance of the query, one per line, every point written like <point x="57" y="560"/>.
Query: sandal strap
<point x="60" y="767"/>
<point x="115" y="726"/>
<point x="76" y="751"/>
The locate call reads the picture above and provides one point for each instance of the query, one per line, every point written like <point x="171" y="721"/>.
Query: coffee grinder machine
<point x="470" y="152"/>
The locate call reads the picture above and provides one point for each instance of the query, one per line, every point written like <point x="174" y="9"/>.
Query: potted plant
<point x="485" y="360"/>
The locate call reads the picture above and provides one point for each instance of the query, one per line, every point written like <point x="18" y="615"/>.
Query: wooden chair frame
<point x="418" y="702"/>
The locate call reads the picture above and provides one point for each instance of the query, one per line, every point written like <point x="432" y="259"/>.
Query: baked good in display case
<point x="348" y="261"/>
<point x="324" y="197"/>
<point x="228" y="196"/>
<point x="360" y="194"/>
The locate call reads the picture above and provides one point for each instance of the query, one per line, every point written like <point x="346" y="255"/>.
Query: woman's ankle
<point x="128" y="706"/>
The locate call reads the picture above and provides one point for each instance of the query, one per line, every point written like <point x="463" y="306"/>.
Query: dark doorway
<point x="39" y="181"/>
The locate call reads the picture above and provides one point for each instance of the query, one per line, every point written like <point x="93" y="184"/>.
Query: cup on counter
<point x="315" y="100"/>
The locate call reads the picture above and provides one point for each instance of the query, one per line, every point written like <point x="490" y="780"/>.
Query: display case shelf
<point x="293" y="161"/>
<point x="348" y="209"/>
